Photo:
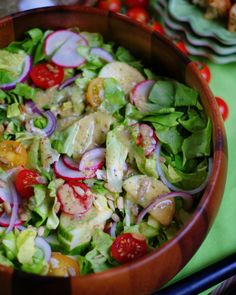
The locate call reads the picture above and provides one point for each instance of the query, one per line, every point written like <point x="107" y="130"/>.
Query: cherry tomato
<point x="112" y="5"/>
<point x="136" y="3"/>
<point x="128" y="247"/>
<point x="224" y="109"/>
<point x="25" y="180"/>
<point x="95" y="93"/>
<point x="62" y="266"/>
<point x="46" y="75"/>
<point x="157" y="27"/>
<point x="12" y="154"/>
<point x="139" y="14"/>
<point x="182" y="47"/>
<point x="204" y="70"/>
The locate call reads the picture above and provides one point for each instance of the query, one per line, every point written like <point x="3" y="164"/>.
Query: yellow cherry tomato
<point x="12" y="154"/>
<point x="62" y="266"/>
<point x="95" y="93"/>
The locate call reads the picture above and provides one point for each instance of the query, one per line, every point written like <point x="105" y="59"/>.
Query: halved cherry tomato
<point x="204" y="70"/>
<point x="25" y="180"/>
<point x="139" y="14"/>
<point x="224" y="109"/>
<point x="46" y="75"/>
<point x="12" y="154"/>
<point x="112" y="5"/>
<point x="62" y="266"/>
<point x="157" y="27"/>
<point x="182" y="47"/>
<point x="136" y="3"/>
<point x="128" y="247"/>
<point x="95" y="93"/>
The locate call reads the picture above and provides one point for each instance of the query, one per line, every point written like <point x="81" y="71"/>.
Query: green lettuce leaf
<point x="198" y="144"/>
<point x="162" y="93"/>
<point x="38" y="265"/>
<point x="114" y="96"/>
<point x="170" y="137"/>
<point x="5" y="261"/>
<point x="168" y="120"/>
<point x="25" y="244"/>
<point x="9" y="245"/>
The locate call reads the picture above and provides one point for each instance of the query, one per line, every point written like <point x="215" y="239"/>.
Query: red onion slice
<point x="14" y="213"/>
<point x="112" y="230"/>
<point x="68" y="82"/>
<point x="173" y="187"/>
<point x="5" y="195"/>
<point x="51" y="125"/>
<point x="5" y="221"/>
<point x="92" y="160"/>
<point x="23" y="76"/>
<point x="187" y="198"/>
<point x="33" y="109"/>
<point x="44" y="246"/>
<point x="102" y="53"/>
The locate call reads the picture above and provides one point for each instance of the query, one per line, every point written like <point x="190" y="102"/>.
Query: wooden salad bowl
<point x="151" y="272"/>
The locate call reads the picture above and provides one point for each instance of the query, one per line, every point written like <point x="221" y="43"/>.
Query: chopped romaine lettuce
<point x="116" y="154"/>
<point x="25" y="243"/>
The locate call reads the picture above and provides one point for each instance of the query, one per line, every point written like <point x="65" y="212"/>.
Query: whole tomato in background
<point x="136" y="3"/>
<point x="181" y="46"/>
<point x="224" y="109"/>
<point x="139" y="14"/>
<point x="112" y="5"/>
<point x="204" y="70"/>
<point x="157" y="27"/>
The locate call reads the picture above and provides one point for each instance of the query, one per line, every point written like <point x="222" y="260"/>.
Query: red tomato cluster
<point x="138" y="10"/>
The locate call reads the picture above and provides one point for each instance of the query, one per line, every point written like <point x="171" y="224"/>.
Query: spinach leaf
<point x="170" y="137"/>
<point x="194" y="122"/>
<point x="169" y="120"/>
<point x="162" y="93"/>
<point x="198" y="144"/>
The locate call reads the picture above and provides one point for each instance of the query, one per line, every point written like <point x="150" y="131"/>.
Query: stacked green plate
<point x="207" y="38"/>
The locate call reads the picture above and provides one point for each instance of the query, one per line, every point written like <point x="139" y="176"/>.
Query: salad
<point x="102" y="160"/>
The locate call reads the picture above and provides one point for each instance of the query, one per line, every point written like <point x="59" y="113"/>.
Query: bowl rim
<point x="218" y="130"/>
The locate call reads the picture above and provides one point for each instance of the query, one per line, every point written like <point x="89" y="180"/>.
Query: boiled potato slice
<point x="125" y="75"/>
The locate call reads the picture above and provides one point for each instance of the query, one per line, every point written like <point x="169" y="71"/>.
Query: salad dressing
<point x="97" y="154"/>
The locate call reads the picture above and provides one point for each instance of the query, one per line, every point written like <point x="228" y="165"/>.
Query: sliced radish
<point x="70" y="163"/>
<point x="139" y="94"/>
<point x="62" y="46"/>
<point x="92" y="160"/>
<point x="62" y="171"/>
<point x="5" y="220"/>
<point x="102" y="53"/>
<point x="23" y="76"/>
<point x="147" y="139"/>
<point x="74" y="198"/>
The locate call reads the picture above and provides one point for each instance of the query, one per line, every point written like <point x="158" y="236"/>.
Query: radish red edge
<point x="62" y="171"/>
<point x="141" y="91"/>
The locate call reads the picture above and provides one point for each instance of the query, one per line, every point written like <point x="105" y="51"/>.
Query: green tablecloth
<point x="221" y="240"/>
